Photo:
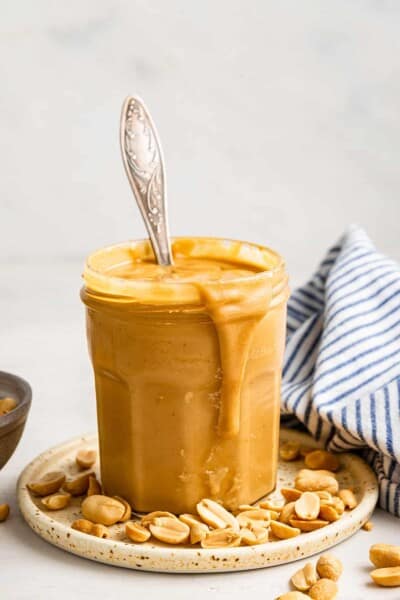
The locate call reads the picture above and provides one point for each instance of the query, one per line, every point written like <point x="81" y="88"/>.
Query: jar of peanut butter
<point x="187" y="365"/>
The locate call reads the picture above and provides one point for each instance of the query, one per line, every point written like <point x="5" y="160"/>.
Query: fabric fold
<point x="341" y="374"/>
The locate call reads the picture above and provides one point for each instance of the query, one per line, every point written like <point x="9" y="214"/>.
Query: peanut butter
<point x="187" y="366"/>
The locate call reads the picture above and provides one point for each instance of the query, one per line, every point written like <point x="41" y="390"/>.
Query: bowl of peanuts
<point x="15" y="402"/>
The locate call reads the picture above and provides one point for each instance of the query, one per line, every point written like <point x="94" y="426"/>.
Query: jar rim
<point x="269" y="265"/>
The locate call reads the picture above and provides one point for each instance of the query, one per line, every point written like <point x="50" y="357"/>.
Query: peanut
<point x="190" y="519"/>
<point x="4" y="512"/>
<point x="83" y="525"/>
<point x="329" y="567"/>
<point x="338" y="504"/>
<point x="56" y="501"/>
<point x="283" y="531"/>
<point x="99" y="530"/>
<point x="310" y="573"/>
<point x="321" y="459"/>
<point x="221" y="538"/>
<point x="293" y="596"/>
<point x="77" y="486"/>
<point x="90" y="528"/>
<point x="348" y="498"/>
<point x="243" y="507"/>
<point x="328" y="513"/>
<point x="313" y="481"/>
<point x="324" y="589"/>
<point x="198" y="529"/>
<point x="170" y="530"/>
<point x="289" y="451"/>
<point x="290" y="494"/>
<point x="299" y="582"/>
<point x="386" y="577"/>
<point x="324" y="496"/>
<point x="287" y="512"/>
<point x="198" y="532"/>
<point x="385" y="555"/>
<point x="150" y="517"/>
<point x="308" y="525"/>
<point x="86" y="459"/>
<point x="216" y="515"/>
<point x="257" y="516"/>
<point x="268" y="505"/>
<point x="368" y="526"/>
<point x="128" y="510"/>
<point x="136" y="532"/>
<point x="94" y="487"/>
<point x="253" y="535"/>
<point x="48" y="484"/>
<point x="274" y="515"/>
<point x="304" y="578"/>
<point x="307" y="506"/>
<point x="7" y="404"/>
<point x="102" y="509"/>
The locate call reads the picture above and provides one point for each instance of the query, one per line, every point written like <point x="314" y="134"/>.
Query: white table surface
<point x="280" y="124"/>
<point x="43" y="339"/>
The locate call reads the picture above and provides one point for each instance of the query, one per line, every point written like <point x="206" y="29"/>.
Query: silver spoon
<point x="144" y="166"/>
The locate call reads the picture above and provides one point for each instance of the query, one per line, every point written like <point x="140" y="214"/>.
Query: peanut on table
<point x="316" y="580"/>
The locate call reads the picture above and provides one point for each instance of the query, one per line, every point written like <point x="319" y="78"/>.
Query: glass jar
<point x="188" y="402"/>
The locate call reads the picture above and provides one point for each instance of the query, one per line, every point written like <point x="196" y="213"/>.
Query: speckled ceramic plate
<point x="151" y="556"/>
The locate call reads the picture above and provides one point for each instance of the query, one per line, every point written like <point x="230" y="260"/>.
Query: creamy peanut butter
<point x="187" y="367"/>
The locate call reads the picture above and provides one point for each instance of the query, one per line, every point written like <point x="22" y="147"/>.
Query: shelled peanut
<point x="7" y="404"/>
<point x="96" y="529"/>
<point x="4" y="512"/>
<point x="386" y="558"/>
<point x="316" y="580"/>
<point x="57" y="483"/>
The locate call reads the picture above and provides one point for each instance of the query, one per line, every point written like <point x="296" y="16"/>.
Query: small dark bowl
<point x="12" y="424"/>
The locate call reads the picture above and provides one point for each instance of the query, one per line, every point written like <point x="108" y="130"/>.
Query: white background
<point x="280" y="125"/>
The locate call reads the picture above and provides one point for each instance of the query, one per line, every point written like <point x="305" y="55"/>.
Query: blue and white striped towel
<point x="341" y="374"/>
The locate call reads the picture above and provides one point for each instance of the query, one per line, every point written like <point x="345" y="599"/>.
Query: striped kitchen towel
<point x="341" y="375"/>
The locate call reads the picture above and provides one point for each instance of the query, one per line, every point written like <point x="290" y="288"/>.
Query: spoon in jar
<point x="144" y="166"/>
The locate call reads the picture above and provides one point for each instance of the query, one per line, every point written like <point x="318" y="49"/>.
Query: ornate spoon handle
<point x="143" y="162"/>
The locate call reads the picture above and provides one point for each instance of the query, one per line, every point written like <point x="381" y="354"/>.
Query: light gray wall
<point x="279" y="120"/>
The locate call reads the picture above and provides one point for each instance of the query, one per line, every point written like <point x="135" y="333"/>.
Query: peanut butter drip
<point x="236" y="310"/>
